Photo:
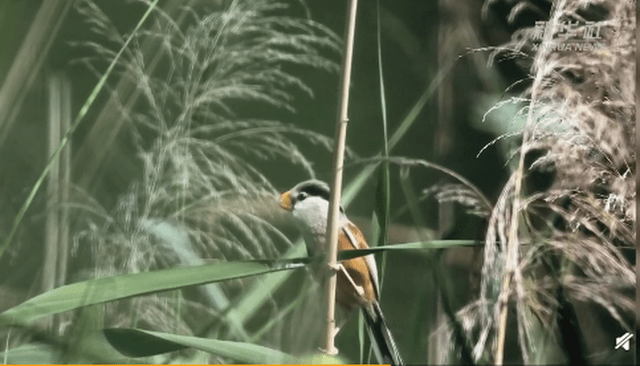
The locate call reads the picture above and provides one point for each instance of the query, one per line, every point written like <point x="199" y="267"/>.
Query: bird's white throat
<point x="311" y="216"/>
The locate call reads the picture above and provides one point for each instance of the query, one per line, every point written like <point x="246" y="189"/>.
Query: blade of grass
<point x="382" y="202"/>
<point x="93" y="350"/>
<point x="47" y="348"/>
<point x="366" y="173"/>
<point x="383" y="99"/>
<point x="89" y="320"/>
<point x="418" y="245"/>
<point x="380" y="219"/>
<point x="63" y="142"/>
<point x="143" y="343"/>
<point x="439" y="278"/>
<point x="277" y="319"/>
<point x="381" y="212"/>
<point x="178" y="242"/>
<point x="409" y="162"/>
<point x="260" y="291"/>
<point x="418" y="310"/>
<point x="411" y="117"/>
<point x="90" y="292"/>
<point x="361" y="339"/>
<point x="31" y="354"/>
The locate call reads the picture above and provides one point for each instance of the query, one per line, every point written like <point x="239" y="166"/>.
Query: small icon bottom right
<point x="623" y="341"/>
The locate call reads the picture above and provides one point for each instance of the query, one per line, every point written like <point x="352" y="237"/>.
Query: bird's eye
<point x="301" y="196"/>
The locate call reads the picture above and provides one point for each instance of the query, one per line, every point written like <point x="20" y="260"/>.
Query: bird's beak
<point x="285" y="201"/>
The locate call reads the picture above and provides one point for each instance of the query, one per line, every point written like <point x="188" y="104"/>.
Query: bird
<point x="357" y="279"/>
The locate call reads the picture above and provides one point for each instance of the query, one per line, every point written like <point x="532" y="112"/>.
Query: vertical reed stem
<point x="336" y="182"/>
<point x="513" y="242"/>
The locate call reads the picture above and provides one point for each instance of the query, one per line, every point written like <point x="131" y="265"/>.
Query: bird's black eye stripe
<point x="313" y="190"/>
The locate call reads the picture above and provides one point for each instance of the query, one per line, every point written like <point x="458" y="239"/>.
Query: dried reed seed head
<point x="582" y="138"/>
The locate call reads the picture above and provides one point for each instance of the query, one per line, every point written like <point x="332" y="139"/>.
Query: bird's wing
<point x="361" y="243"/>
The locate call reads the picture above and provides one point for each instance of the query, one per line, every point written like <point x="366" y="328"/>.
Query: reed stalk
<point x="336" y="181"/>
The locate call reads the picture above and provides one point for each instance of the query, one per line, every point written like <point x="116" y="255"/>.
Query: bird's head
<point x="308" y="202"/>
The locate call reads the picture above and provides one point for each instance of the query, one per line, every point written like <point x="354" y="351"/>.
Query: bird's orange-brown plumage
<point x="358" y="269"/>
<point x="357" y="278"/>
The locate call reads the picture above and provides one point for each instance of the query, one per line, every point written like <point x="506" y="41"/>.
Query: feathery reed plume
<point x="201" y="193"/>
<point x="576" y="205"/>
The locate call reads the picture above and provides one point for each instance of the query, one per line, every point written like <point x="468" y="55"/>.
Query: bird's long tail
<point x="382" y="341"/>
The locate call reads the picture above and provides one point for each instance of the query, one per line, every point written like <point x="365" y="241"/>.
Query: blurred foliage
<point x="216" y="106"/>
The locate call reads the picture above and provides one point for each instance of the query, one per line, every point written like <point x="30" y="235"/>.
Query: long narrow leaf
<point x="44" y="348"/>
<point x="265" y="286"/>
<point x="31" y="354"/>
<point x="419" y="245"/>
<point x="440" y="280"/>
<point x="381" y="213"/>
<point x="143" y="343"/>
<point x="90" y="292"/>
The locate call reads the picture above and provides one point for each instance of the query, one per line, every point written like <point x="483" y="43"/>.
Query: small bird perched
<point x="357" y="282"/>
